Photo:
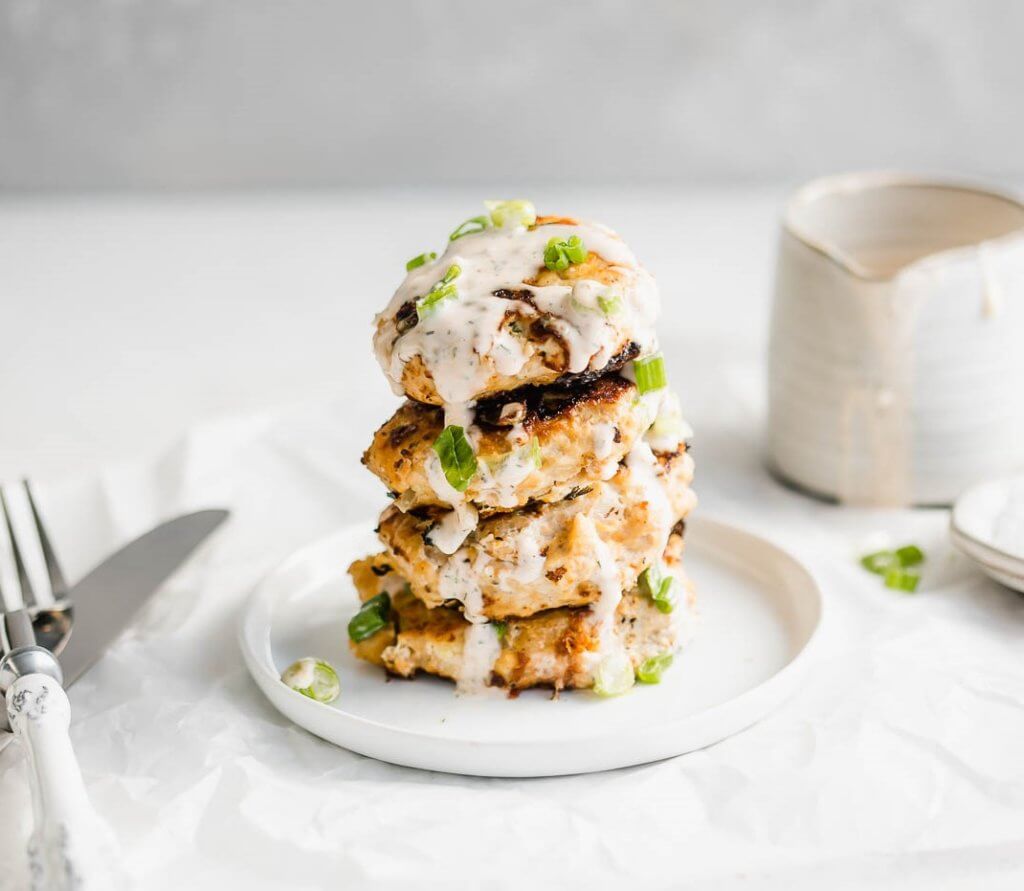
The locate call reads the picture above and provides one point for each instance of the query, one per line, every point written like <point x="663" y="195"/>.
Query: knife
<point x="71" y="846"/>
<point x="108" y="598"/>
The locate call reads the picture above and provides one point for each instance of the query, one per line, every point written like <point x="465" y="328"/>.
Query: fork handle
<point x="71" y="847"/>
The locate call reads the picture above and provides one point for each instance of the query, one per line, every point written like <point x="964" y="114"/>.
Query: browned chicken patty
<point x="581" y="433"/>
<point x="549" y="649"/>
<point x="547" y="555"/>
<point x="549" y="353"/>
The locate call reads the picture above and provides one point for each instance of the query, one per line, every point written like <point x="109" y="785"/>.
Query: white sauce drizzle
<point x="530" y="563"/>
<point x="604" y="440"/>
<point x="464" y="341"/>
<point x="480" y="650"/>
<point x="459" y="581"/>
<point x="455" y="526"/>
<point x="602" y="611"/>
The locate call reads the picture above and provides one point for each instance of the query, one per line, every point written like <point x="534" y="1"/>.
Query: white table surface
<point x="167" y="353"/>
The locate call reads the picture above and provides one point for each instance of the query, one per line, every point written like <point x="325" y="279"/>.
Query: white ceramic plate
<point x="759" y="607"/>
<point x="985" y="528"/>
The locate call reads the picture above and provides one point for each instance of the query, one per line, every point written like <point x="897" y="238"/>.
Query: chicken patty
<point x="508" y="319"/>
<point x="549" y="555"/>
<point x="551" y="649"/>
<point x="532" y="444"/>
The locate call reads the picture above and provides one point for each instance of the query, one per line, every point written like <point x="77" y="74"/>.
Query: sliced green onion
<point x="560" y="254"/>
<point x="441" y="291"/>
<point x="610" y="305"/>
<point x="651" y="670"/>
<point x="900" y="579"/>
<point x="417" y="262"/>
<point x="512" y="213"/>
<point x="650" y="373"/>
<point x="372" y="616"/>
<point x="469" y="227"/>
<point x="501" y="629"/>
<point x="880" y="562"/>
<point x="313" y="678"/>
<point x="457" y="458"/>
<point x="659" y="587"/>
<point x="535" y="453"/>
<point x="909" y="555"/>
<point x="614" y="675"/>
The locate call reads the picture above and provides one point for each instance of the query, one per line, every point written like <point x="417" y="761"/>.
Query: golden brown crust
<point x="548" y="362"/>
<point x="572" y="425"/>
<point x="553" y="648"/>
<point x="544" y="556"/>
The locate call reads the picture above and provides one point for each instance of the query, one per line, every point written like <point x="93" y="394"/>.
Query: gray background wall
<point x="240" y="93"/>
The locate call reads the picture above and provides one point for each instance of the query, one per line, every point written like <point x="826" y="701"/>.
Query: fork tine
<point x="28" y="596"/>
<point x="58" y="585"/>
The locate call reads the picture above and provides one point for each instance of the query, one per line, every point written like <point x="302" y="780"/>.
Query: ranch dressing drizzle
<point x="463" y="341"/>
<point x="503" y="479"/>
<point x="604" y="439"/>
<point x="602" y="611"/>
<point x="460" y="582"/>
<point x="480" y="650"/>
<point x="480" y="646"/>
<point x="448" y="534"/>
<point x="643" y="471"/>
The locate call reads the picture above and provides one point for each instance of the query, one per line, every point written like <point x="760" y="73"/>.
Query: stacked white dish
<point x="987" y="525"/>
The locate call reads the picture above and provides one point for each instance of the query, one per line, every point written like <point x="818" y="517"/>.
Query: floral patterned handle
<point x="71" y="847"/>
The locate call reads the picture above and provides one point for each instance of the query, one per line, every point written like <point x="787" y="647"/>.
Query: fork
<point x="70" y="847"/>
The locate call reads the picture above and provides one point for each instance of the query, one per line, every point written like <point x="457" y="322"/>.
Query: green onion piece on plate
<point x="511" y="213"/>
<point x="650" y="373"/>
<point x="441" y="291"/>
<point x="457" y="458"/>
<point x="900" y="579"/>
<point x="313" y="678"/>
<point x="560" y="254"/>
<point x="610" y="305"/>
<point x="417" y="262"/>
<point x="501" y="629"/>
<point x="372" y="616"/>
<point x="614" y="675"/>
<point x="651" y="670"/>
<point x="470" y="227"/>
<point x="909" y="555"/>
<point x="659" y="587"/>
<point x="878" y="562"/>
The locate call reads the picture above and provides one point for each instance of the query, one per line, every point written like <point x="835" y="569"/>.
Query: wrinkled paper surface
<point x="900" y="762"/>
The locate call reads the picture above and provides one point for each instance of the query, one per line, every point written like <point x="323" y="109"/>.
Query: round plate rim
<point x="267" y="679"/>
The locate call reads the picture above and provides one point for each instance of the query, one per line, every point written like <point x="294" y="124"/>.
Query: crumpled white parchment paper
<point x="900" y="764"/>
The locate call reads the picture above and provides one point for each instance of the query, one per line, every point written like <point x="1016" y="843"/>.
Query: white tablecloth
<point x="898" y="765"/>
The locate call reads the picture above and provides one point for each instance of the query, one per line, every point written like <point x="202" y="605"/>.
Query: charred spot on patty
<point x="525" y="295"/>
<point x="406" y="318"/>
<point x="546" y="403"/>
<point x="577" y="491"/>
<point x="626" y="354"/>
<point x="400" y="434"/>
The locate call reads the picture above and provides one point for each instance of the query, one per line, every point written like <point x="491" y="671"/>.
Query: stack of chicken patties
<point x="539" y="468"/>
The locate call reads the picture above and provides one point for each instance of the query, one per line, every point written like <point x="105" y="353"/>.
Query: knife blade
<point x="107" y="599"/>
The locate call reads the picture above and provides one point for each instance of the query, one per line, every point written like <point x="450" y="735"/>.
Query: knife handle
<point x="71" y="847"/>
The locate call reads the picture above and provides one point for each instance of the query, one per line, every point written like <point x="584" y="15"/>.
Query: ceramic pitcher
<point x="896" y="363"/>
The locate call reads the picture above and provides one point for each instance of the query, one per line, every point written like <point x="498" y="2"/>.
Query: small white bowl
<point x="987" y="525"/>
<point x="896" y="369"/>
